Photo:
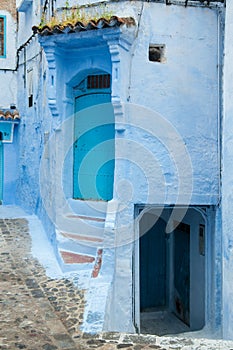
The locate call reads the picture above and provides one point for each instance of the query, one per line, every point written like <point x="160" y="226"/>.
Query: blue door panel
<point x="153" y="267"/>
<point x="94" y="147"/>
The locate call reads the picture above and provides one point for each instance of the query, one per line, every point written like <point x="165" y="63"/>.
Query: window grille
<point x="2" y="36"/>
<point x="101" y="81"/>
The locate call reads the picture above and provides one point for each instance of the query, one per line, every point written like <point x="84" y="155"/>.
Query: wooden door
<point x="153" y="267"/>
<point x="94" y="147"/>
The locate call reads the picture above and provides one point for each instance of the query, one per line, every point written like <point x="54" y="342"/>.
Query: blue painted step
<point x="81" y="233"/>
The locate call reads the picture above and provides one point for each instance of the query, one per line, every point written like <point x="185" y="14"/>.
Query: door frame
<point x="139" y="211"/>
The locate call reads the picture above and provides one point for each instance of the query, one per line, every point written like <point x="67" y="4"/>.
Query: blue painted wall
<point x="227" y="193"/>
<point x="11" y="159"/>
<point x="183" y="90"/>
<point x="190" y="98"/>
<point x="8" y="96"/>
<point x="166" y="105"/>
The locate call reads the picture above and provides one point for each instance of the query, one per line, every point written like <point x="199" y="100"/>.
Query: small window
<point x="30" y="101"/>
<point x="101" y="81"/>
<point x="157" y="53"/>
<point x="2" y="36"/>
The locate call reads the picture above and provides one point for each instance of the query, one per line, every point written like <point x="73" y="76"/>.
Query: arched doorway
<point x="94" y="135"/>
<point x="172" y="278"/>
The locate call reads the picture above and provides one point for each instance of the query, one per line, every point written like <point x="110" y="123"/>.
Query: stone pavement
<point x="41" y="313"/>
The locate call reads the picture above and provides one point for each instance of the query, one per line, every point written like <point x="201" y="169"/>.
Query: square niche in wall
<point x="157" y="53"/>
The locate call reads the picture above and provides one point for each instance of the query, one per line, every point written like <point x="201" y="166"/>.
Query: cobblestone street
<point x="38" y="312"/>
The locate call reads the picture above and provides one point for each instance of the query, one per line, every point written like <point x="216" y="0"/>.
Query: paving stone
<point x="20" y="346"/>
<point x="123" y="345"/>
<point x="89" y="336"/>
<point x="31" y="283"/>
<point x="96" y="341"/>
<point x="111" y="336"/>
<point x="140" y="339"/>
<point x="49" y="347"/>
<point x="64" y="341"/>
<point x="37" y="293"/>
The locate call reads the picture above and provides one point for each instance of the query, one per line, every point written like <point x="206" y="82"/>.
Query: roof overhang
<point x="113" y="37"/>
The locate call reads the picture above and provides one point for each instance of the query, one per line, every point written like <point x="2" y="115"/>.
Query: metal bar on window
<point x="101" y="81"/>
<point x="2" y="35"/>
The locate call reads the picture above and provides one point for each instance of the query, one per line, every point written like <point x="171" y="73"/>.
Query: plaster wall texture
<point x="35" y="120"/>
<point x="9" y="62"/>
<point x="36" y="123"/>
<point x="8" y="96"/>
<point x="183" y="90"/>
<point x="9" y="92"/>
<point x="26" y="19"/>
<point x="227" y="194"/>
<point x="11" y="154"/>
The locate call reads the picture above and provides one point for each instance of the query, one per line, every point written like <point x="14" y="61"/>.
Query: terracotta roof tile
<point x="101" y="23"/>
<point x="9" y="115"/>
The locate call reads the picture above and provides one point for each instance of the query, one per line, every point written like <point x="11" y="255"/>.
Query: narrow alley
<point x="38" y="312"/>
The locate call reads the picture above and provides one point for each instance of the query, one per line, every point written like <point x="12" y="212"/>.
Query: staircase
<point x="85" y="238"/>
<point x="80" y="235"/>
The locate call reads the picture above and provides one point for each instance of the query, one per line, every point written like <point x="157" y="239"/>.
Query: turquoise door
<point x="1" y="171"/>
<point x="153" y="267"/>
<point x="94" y="147"/>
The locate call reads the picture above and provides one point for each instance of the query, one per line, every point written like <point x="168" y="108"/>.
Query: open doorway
<point x="171" y="272"/>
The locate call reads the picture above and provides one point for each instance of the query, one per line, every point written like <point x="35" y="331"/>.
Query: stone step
<point x="87" y="208"/>
<point x="80" y="224"/>
<point x="71" y="261"/>
<point x="75" y="261"/>
<point x="74" y="258"/>
<point x="81" y="238"/>
<point x="80" y="235"/>
<point x="83" y="217"/>
<point x="80" y="244"/>
<point x="88" y="220"/>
